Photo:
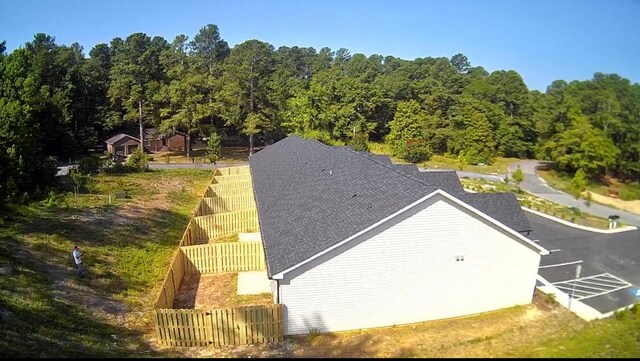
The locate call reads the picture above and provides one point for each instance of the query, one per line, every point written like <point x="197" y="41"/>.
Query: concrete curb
<point x="582" y="310"/>
<point x="590" y="229"/>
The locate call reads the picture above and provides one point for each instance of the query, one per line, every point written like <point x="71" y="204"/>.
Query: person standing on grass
<point x="76" y="257"/>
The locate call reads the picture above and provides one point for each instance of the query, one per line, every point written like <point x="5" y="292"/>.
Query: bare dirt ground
<point x="629" y="206"/>
<point x="215" y="291"/>
<point x="496" y="334"/>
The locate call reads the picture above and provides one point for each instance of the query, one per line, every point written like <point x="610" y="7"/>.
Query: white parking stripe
<point x="580" y="287"/>
<point x="560" y="264"/>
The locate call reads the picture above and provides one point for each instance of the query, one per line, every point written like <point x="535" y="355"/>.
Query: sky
<point x="543" y="40"/>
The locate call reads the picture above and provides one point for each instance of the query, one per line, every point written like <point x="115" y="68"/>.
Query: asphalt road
<point x="608" y="262"/>
<point x="535" y="185"/>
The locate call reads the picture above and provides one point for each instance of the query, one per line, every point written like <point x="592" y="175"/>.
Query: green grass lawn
<point x="227" y="155"/>
<point x="617" y="336"/>
<point x="46" y="310"/>
<point x="562" y="181"/>
<point x="438" y="161"/>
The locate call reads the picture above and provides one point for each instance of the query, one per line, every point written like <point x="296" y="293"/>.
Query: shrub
<point x="313" y="333"/>
<point x="359" y="143"/>
<point x="138" y="161"/>
<point x="629" y="194"/>
<point x="53" y="200"/>
<point x="551" y="298"/>
<point x="213" y="147"/>
<point x="414" y="151"/>
<point x="90" y="165"/>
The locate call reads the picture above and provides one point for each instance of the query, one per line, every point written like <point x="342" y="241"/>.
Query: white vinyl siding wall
<point x="409" y="273"/>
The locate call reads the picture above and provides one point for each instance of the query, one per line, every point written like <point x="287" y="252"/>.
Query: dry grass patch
<point x="215" y="291"/>
<point x="629" y="206"/>
<point x="504" y="333"/>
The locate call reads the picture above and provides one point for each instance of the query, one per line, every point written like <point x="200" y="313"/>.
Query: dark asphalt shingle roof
<point x="311" y="196"/>
<point x="118" y="137"/>
<point x="503" y="207"/>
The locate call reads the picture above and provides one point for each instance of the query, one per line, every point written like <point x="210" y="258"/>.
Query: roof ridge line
<point x="420" y="181"/>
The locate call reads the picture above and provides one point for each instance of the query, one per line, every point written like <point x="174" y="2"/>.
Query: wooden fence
<point x="205" y="228"/>
<point x="214" y="205"/>
<point x="220" y="327"/>
<point x="224" y="257"/>
<point x="229" y="189"/>
<point x="227" y="207"/>
<point x="172" y="281"/>
<point x="232" y="170"/>
<point x="231" y="178"/>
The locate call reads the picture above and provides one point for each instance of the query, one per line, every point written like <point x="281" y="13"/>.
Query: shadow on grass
<point x="41" y="320"/>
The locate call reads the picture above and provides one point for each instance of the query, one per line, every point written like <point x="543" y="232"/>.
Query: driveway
<point x="610" y="263"/>
<point x="537" y="186"/>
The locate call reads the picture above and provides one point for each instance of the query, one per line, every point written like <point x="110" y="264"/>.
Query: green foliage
<point x="213" y="147"/>
<point x="518" y="176"/>
<point x="406" y="134"/>
<point x="90" y="165"/>
<point x="138" y="161"/>
<point x="550" y="298"/>
<point x="414" y="151"/>
<point x="579" y="183"/>
<point x="629" y="194"/>
<point x="360" y="143"/>
<point x="314" y="333"/>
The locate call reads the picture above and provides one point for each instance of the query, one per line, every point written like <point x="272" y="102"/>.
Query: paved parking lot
<point x="610" y="263"/>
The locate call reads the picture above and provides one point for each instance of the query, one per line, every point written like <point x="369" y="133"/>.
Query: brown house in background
<point x="122" y="144"/>
<point x="176" y="142"/>
<point x="155" y="141"/>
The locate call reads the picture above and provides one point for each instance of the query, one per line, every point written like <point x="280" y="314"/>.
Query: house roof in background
<point x="119" y="137"/>
<point x="311" y="196"/>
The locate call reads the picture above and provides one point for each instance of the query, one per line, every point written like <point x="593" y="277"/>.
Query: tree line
<point x="57" y="101"/>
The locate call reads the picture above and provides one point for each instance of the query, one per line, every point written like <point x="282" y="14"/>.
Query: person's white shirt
<point x="76" y="256"/>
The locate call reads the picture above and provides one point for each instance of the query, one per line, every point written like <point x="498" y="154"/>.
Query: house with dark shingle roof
<point x="122" y="144"/>
<point x="353" y="241"/>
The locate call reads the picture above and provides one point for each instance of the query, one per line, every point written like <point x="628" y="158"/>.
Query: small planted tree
<point x="79" y="180"/>
<point x="579" y="183"/>
<point x="138" y="161"/>
<point x="359" y="142"/>
<point x="213" y="147"/>
<point x="518" y="177"/>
